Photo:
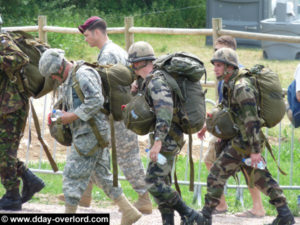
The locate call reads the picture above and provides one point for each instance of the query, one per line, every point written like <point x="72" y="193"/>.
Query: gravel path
<point x="153" y="219"/>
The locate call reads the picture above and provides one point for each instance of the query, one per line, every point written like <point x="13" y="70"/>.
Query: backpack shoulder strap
<point x="173" y="84"/>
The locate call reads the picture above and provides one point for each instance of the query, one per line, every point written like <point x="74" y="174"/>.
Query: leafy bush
<point x="156" y="13"/>
<point x="71" y="13"/>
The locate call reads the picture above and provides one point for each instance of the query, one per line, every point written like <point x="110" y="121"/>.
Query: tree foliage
<point x="156" y="13"/>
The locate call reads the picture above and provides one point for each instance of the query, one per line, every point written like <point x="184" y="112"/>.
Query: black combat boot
<point x="205" y="215"/>
<point x="284" y="217"/>
<point x="167" y="218"/>
<point x="167" y="215"/>
<point x="31" y="185"/>
<point x="189" y="216"/>
<point x="11" y="200"/>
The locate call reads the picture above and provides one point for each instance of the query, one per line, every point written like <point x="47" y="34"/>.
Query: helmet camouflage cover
<point x="140" y="51"/>
<point x="227" y="56"/>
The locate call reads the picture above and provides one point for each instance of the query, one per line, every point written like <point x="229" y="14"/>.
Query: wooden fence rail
<point x="215" y="31"/>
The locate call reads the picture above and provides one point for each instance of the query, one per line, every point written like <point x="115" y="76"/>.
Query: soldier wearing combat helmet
<point x="240" y="95"/>
<point x="229" y="58"/>
<point x="89" y="157"/>
<point x="158" y="95"/>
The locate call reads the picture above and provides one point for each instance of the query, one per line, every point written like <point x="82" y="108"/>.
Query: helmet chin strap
<point x="226" y="72"/>
<point x="61" y="74"/>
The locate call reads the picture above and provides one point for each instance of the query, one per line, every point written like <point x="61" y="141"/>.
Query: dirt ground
<point x="153" y="219"/>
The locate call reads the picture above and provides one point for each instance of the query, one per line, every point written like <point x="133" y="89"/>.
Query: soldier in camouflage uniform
<point x="13" y="115"/>
<point x="128" y="155"/>
<point x="159" y="96"/>
<point x="82" y="164"/>
<point x="242" y="96"/>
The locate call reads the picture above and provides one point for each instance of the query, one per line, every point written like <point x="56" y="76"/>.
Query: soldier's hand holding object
<point x="68" y="117"/>
<point x="155" y="150"/>
<point x="255" y="159"/>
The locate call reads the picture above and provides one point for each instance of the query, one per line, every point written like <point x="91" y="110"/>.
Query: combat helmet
<point x="140" y="51"/>
<point x="227" y="56"/>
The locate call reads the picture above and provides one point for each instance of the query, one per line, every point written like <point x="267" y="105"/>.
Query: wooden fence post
<point x="129" y="37"/>
<point x="42" y="21"/>
<point x="216" y="26"/>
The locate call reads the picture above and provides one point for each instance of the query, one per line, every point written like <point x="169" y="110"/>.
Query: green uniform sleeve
<point x="245" y="95"/>
<point x="162" y="102"/>
<point x="12" y="59"/>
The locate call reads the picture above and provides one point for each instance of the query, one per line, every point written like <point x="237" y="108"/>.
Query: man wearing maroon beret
<point x="128" y="156"/>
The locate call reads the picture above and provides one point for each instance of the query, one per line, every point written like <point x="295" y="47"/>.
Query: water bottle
<point x="56" y="113"/>
<point x="160" y="158"/>
<point x="261" y="165"/>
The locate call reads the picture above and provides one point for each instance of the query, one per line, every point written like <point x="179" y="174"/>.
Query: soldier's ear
<point x="97" y="32"/>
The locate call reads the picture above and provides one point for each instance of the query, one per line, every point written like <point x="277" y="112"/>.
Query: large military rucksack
<point x="33" y="82"/>
<point x="116" y="80"/>
<point x="271" y="106"/>
<point x="182" y="71"/>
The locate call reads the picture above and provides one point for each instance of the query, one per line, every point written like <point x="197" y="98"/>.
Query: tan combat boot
<point x="86" y="198"/>
<point x="129" y="213"/>
<point x="144" y="204"/>
<point x="70" y="208"/>
<point x="85" y="201"/>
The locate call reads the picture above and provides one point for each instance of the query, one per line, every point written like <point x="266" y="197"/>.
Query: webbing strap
<point x="176" y="180"/>
<point x="113" y="151"/>
<point x="192" y="175"/>
<point x="173" y="85"/>
<point x="38" y="131"/>
<point x="271" y="152"/>
<point x="239" y="149"/>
